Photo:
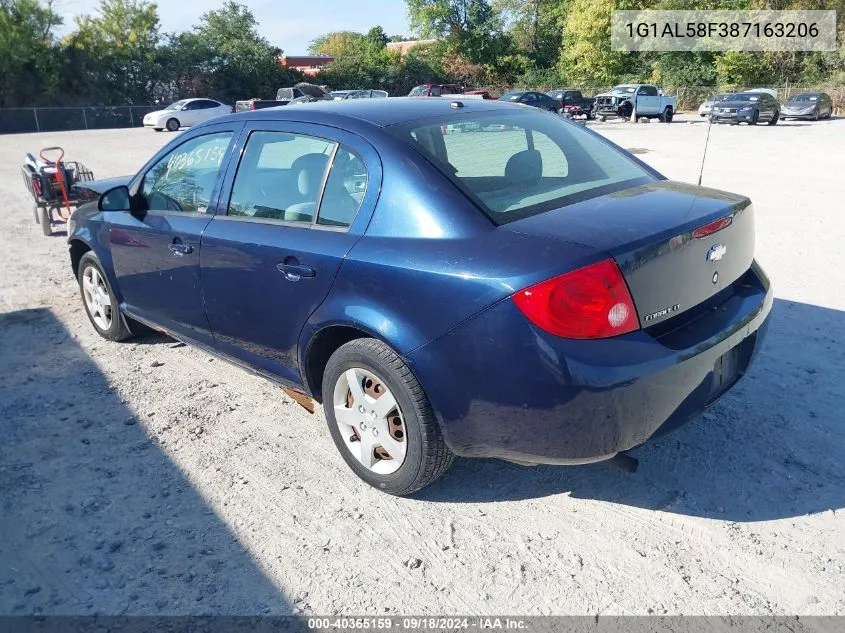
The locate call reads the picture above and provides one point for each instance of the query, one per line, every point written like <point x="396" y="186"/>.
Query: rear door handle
<point x="294" y="271"/>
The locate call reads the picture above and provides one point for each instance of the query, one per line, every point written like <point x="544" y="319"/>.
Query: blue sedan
<point x="471" y="278"/>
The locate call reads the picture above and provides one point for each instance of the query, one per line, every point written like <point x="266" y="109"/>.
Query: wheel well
<point x="77" y="249"/>
<point x="320" y="349"/>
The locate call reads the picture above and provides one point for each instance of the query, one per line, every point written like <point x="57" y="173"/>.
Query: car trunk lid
<point x="676" y="244"/>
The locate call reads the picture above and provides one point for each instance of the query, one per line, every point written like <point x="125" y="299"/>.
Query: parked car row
<point x="762" y="105"/>
<point x="628" y="101"/>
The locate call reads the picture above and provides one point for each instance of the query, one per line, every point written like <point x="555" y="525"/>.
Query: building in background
<point x="309" y="65"/>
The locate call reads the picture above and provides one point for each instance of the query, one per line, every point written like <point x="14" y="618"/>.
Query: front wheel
<point x="755" y="118"/>
<point x="380" y="419"/>
<point x="667" y="115"/>
<point x="99" y="300"/>
<point x="172" y="125"/>
<point x="775" y="118"/>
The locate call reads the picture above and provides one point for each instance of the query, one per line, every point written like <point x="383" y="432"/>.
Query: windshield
<point x="177" y="105"/>
<point x="419" y="91"/>
<point x="744" y="96"/>
<point x="627" y="89"/>
<point x="518" y="164"/>
<point x="805" y="98"/>
<point x="720" y="97"/>
<point x="510" y="96"/>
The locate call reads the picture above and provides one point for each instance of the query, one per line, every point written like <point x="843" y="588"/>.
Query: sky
<point x="288" y="24"/>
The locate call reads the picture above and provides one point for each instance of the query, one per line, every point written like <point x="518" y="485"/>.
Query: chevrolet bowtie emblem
<point x="716" y="252"/>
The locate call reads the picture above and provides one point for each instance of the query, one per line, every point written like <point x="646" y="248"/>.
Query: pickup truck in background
<point x="634" y="101"/>
<point x="572" y="102"/>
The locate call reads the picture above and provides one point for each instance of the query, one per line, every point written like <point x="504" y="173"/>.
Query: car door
<point x="648" y="101"/>
<point x="547" y="103"/>
<point x="529" y="98"/>
<point x="296" y="203"/>
<point x="155" y="247"/>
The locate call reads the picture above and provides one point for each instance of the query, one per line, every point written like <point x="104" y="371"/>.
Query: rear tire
<point x="46" y="220"/>
<point x="426" y="456"/>
<point x="103" y="312"/>
<point x="158" y="129"/>
<point x="172" y="125"/>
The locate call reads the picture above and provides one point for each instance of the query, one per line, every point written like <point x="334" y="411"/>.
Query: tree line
<point x="122" y="56"/>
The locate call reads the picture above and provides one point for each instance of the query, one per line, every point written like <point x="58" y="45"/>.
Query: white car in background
<point x="185" y="113"/>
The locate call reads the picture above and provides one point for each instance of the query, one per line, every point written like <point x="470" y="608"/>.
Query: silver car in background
<point x="705" y="108"/>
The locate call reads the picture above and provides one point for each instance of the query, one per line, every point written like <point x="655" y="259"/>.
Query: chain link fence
<point x="22" y="120"/>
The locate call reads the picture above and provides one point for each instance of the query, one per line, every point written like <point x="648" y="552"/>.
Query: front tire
<point x="172" y="125"/>
<point x="755" y="119"/>
<point x="99" y="300"/>
<point x="775" y="118"/>
<point x="380" y="419"/>
<point x="667" y="115"/>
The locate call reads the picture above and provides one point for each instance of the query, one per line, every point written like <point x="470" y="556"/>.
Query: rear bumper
<point x="502" y="388"/>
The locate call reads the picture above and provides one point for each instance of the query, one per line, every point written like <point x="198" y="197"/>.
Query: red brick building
<point x="306" y="64"/>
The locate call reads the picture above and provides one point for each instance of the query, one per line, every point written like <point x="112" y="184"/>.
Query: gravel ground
<point x="146" y="478"/>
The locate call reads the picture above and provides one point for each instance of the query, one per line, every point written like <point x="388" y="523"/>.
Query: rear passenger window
<point x="280" y="177"/>
<point x="345" y="189"/>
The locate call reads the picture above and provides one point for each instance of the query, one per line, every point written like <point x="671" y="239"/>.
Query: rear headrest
<point x="309" y="170"/>
<point x="524" y="168"/>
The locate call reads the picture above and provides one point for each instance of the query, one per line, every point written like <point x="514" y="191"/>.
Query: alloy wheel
<point x="370" y="421"/>
<point x="97" y="298"/>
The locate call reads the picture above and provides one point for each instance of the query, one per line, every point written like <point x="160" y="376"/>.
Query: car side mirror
<point x="115" y="199"/>
<point x="660" y="93"/>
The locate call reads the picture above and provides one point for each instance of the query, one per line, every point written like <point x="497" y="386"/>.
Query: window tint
<point x="648" y="91"/>
<point x="184" y="179"/>
<point x="519" y="164"/>
<point x="345" y="189"/>
<point x="280" y="176"/>
<point x="435" y="91"/>
<point x="529" y="97"/>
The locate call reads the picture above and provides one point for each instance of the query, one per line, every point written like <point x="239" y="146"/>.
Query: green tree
<point x="114" y="54"/>
<point x="224" y="57"/>
<point x="29" y="70"/>
<point x="469" y="27"/>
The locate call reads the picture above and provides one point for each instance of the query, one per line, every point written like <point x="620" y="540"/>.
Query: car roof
<point x="378" y="112"/>
<point x="807" y="94"/>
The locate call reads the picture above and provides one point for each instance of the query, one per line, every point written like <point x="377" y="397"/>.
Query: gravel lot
<point x="145" y="478"/>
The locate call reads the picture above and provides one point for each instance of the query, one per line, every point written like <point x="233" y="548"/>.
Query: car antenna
<point x="706" y="143"/>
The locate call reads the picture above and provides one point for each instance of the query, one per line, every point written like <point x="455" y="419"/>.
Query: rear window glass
<point x="518" y="164"/>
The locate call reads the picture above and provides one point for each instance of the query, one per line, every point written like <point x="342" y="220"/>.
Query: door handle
<point x="294" y="271"/>
<point x="179" y="249"/>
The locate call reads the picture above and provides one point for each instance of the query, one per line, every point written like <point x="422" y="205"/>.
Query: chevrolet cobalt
<point x="525" y="290"/>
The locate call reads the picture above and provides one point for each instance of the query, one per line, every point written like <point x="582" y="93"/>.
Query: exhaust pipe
<point x="623" y="461"/>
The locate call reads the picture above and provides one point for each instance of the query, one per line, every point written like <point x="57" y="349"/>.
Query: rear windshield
<point x="518" y="164"/>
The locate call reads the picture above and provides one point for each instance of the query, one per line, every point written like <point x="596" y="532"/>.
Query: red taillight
<point x="591" y="302"/>
<point x="713" y="227"/>
<point x="252" y="106"/>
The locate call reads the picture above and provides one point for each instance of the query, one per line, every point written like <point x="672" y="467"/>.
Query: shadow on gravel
<point x="94" y="516"/>
<point x="772" y="448"/>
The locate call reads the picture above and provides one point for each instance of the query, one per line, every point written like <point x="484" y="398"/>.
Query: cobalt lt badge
<point x="716" y="252"/>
